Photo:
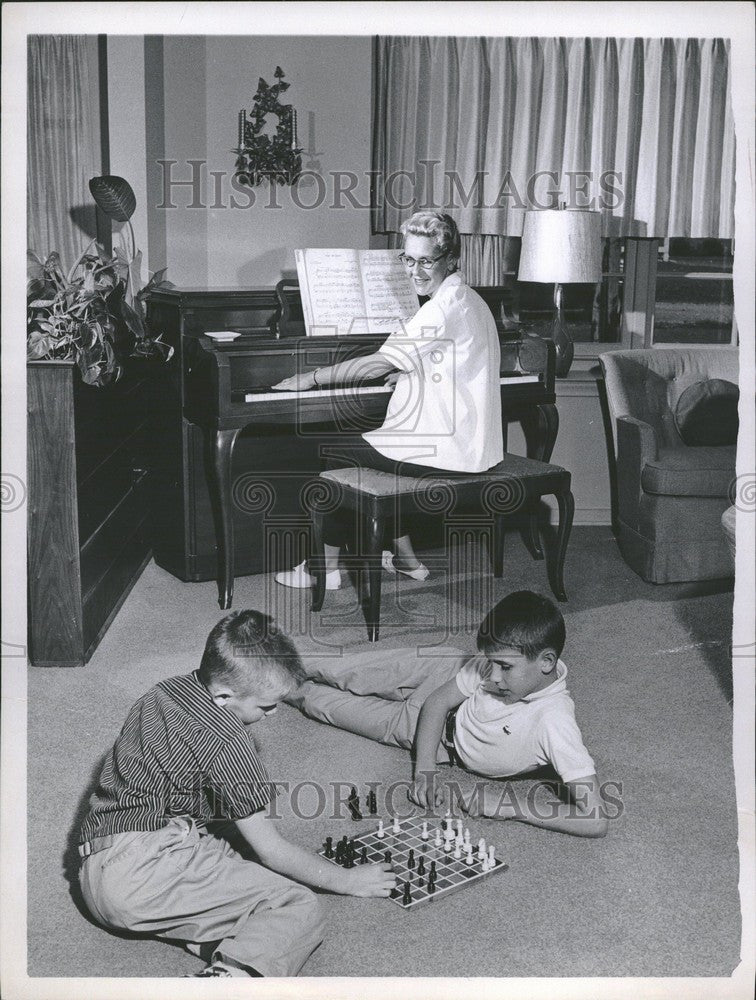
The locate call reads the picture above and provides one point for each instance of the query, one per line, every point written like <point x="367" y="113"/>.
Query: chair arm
<point x="636" y="446"/>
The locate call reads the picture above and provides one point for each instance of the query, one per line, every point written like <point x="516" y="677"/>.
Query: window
<point x="694" y="296"/>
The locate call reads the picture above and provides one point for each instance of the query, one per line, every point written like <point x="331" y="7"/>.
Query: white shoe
<point x="420" y="573"/>
<point x="302" y="580"/>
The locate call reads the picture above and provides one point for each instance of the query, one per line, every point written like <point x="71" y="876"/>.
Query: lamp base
<point x="565" y="349"/>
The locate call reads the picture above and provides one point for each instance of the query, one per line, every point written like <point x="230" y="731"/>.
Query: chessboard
<point x="423" y="858"/>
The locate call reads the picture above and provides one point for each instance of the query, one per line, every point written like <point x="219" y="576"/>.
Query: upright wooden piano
<point x="233" y="460"/>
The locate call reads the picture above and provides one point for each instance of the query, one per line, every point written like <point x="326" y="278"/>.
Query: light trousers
<point x="183" y="884"/>
<point x="377" y="693"/>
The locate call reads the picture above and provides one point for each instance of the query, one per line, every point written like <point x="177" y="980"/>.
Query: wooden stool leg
<point x="317" y="561"/>
<point x="566" y="503"/>
<point x="373" y="550"/>
<point x="530" y="533"/>
<point x="497" y="544"/>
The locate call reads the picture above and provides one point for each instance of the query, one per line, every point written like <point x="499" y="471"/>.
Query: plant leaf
<point x="134" y="320"/>
<point x="114" y="196"/>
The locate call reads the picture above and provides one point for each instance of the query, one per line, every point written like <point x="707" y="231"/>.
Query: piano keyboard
<point x="261" y="397"/>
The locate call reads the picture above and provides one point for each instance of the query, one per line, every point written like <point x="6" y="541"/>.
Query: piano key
<point x="261" y="397"/>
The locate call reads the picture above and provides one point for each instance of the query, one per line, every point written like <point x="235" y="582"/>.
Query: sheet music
<point x="353" y="291"/>
<point x="390" y="298"/>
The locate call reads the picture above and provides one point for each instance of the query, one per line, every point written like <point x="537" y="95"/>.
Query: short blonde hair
<point x="441" y="228"/>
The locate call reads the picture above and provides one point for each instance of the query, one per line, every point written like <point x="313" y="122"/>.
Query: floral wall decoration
<point x="260" y="156"/>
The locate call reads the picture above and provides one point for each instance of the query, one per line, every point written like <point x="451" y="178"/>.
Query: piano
<point x="236" y="455"/>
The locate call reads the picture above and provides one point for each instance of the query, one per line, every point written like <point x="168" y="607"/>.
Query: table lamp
<point x="561" y="246"/>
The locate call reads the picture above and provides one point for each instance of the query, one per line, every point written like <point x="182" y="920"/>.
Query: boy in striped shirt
<point x="183" y="766"/>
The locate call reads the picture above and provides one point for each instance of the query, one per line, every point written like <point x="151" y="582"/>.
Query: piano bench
<point x="514" y="484"/>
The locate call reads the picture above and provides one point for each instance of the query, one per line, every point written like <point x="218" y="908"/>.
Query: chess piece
<point x="421" y="866"/>
<point x="437" y="838"/>
<point x="395" y="828"/>
<point x="469" y="856"/>
<point x="482" y="853"/>
<point x="353" y="802"/>
<point x="380" y="832"/>
<point x="407" y="897"/>
<point x="328" y="852"/>
<point x="387" y="857"/>
<point x="457" y="852"/>
<point x="424" y="833"/>
<point x="363" y="856"/>
<point x="491" y="855"/>
<point x="411" y="860"/>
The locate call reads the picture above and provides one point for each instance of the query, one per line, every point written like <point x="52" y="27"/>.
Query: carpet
<point x="650" y="676"/>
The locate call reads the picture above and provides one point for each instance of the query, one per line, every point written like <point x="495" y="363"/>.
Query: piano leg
<point x="223" y="448"/>
<point x="540" y="425"/>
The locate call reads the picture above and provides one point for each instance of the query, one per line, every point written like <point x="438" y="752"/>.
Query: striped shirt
<point x="178" y="754"/>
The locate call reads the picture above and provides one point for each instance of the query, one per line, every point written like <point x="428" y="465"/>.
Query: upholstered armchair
<point x="674" y="427"/>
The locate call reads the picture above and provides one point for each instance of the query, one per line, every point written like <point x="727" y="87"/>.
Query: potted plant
<point x="93" y="314"/>
<point x="89" y="436"/>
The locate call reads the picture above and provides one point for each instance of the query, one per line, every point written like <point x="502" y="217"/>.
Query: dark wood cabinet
<point x="88" y="456"/>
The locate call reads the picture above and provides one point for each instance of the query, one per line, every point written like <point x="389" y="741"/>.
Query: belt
<point x="96" y="844"/>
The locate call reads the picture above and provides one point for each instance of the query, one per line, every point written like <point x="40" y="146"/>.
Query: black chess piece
<point x="407" y="896"/>
<point x="328" y="852"/>
<point x="353" y="802"/>
<point x="363" y="856"/>
<point x="433" y="869"/>
<point x="431" y="885"/>
<point x="372" y="802"/>
<point x="421" y="866"/>
<point x="411" y="859"/>
<point x="387" y="857"/>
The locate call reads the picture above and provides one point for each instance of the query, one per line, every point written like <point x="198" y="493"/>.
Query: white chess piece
<point x="459" y="827"/>
<point x="380" y="833"/>
<point x="484" y="866"/>
<point x="424" y="834"/>
<point x="482" y="849"/>
<point x="458" y="851"/>
<point x="447" y="845"/>
<point x="469" y="856"/>
<point x="467" y="836"/>
<point x="437" y="838"/>
<point x="491" y="855"/>
<point x="395" y="826"/>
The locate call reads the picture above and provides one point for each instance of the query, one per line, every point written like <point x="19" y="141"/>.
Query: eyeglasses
<point x="424" y="263"/>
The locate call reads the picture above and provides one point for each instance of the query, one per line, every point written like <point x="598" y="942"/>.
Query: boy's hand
<point x="487" y="801"/>
<point x="368" y="880"/>
<point x="425" y="790"/>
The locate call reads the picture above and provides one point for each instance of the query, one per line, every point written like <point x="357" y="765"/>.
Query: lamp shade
<point x="561" y="246"/>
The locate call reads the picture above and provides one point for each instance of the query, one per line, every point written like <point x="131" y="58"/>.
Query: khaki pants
<point x="182" y="884"/>
<point x="377" y="693"/>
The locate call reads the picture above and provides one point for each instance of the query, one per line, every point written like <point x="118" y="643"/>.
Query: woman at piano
<point x="444" y="415"/>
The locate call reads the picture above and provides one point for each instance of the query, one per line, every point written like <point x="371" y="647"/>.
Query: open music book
<point x="354" y="291"/>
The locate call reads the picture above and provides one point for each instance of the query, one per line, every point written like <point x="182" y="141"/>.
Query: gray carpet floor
<point x="650" y="675"/>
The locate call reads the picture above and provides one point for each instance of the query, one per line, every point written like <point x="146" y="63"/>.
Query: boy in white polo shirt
<point x="506" y="712"/>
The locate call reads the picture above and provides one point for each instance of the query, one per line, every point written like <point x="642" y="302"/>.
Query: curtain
<point x="62" y="145"/>
<point x="489" y="127"/>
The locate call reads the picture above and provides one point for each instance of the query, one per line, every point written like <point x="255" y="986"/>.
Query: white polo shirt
<point x="445" y="411"/>
<point x="499" y="740"/>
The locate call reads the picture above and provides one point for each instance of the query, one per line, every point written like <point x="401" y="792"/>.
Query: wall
<point x="177" y="98"/>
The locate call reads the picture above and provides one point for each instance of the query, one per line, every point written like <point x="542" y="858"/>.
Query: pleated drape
<point x="61" y="140"/>
<point x="487" y="127"/>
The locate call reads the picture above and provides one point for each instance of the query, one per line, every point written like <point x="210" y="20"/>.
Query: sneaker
<point x="421" y="572"/>
<point x="216" y="970"/>
<point x="301" y="579"/>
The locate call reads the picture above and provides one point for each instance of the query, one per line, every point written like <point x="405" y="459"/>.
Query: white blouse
<point x="445" y="411"/>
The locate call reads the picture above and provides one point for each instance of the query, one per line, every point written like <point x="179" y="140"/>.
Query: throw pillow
<point x="707" y="413"/>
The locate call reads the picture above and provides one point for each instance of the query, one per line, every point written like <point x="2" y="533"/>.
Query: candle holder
<point x="261" y="157"/>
